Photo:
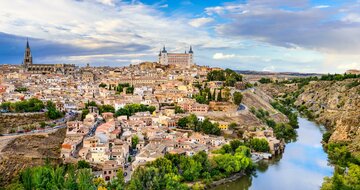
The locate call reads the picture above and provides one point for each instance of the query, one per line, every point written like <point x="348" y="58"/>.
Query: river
<point x="302" y="166"/>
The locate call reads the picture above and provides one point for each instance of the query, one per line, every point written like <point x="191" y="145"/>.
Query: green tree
<point x="338" y="154"/>
<point x="326" y="136"/>
<point x="259" y="145"/>
<point x="131" y="109"/>
<point x="83" y="164"/>
<point x="119" y="182"/>
<point x="182" y="122"/>
<point x="42" y="125"/>
<point x="219" y="97"/>
<point x="102" y="85"/>
<point x="106" y="108"/>
<point x="209" y="128"/>
<point x="179" y="110"/>
<point x="70" y="180"/>
<point x="85" y="179"/>
<point x="145" y="178"/>
<point x="191" y="169"/>
<point x="233" y="125"/>
<point x="237" y="97"/>
<point x="227" y="148"/>
<point x="265" y="80"/>
<point x="134" y="141"/>
<point x="52" y="112"/>
<point x="244" y="150"/>
<point x="26" y="179"/>
<point x="84" y="112"/>
<point x="235" y="144"/>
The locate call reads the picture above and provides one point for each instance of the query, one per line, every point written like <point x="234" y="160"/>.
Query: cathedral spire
<point x="191" y="51"/>
<point x="164" y="50"/>
<point x="27" y="56"/>
<point x="27" y="43"/>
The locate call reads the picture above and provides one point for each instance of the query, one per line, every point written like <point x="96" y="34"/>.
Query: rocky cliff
<point x="335" y="104"/>
<point x="29" y="150"/>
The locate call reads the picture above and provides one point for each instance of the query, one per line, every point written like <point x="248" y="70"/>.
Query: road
<point x="127" y="178"/>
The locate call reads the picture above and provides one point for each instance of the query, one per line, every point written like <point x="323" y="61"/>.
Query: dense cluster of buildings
<point x="106" y="140"/>
<point x="112" y="140"/>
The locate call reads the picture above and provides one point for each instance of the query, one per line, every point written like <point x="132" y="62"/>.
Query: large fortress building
<point x="65" y="69"/>
<point x="178" y="59"/>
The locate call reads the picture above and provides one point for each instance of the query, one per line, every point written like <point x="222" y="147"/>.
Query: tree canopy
<point x="131" y="109"/>
<point x="192" y="122"/>
<point x="229" y="76"/>
<point x="237" y="97"/>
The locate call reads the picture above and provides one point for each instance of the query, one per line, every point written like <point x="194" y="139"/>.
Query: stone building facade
<point x="29" y="66"/>
<point x="183" y="60"/>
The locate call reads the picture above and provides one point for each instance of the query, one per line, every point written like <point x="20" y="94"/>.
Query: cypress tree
<point x="214" y="95"/>
<point x="219" y="98"/>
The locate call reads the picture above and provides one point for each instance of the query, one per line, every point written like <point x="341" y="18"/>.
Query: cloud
<point x="254" y="34"/>
<point x="307" y="27"/>
<point x="269" y="68"/>
<point x="351" y="18"/>
<point x="91" y="27"/>
<point x="321" y="6"/>
<point x="223" y="56"/>
<point x="107" y="2"/>
<point x="200" y="21"/>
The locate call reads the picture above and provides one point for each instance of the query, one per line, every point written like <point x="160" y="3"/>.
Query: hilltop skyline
<point x="263" y="35"/>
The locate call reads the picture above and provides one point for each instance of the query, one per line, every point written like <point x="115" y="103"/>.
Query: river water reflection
<point x="302" y="167"/>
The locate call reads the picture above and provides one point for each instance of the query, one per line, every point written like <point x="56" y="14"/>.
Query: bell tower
<point x="27" y="56"/>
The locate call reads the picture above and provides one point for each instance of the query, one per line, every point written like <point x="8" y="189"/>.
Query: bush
<point x="265" y="80"/>
<point x="237" y="98"/>
<point x="326" y="136"/>
<point x="31" y="105"/>
<point x="259" y="145"/>
<point x="191" y="122"/>
<point x="229" y="76"/>
<point x="52" y="112"/>
<point x="83" y="164"/>
<point x="131" y="109"/>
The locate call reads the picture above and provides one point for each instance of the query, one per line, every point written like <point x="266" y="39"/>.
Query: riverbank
<point x="232" y="178"/>
<point x="303" y="165"/>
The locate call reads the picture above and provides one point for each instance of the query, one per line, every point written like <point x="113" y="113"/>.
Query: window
<point x="104" y="172"/>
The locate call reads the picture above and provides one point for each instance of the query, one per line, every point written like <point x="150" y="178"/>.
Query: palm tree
<point x="26" y="179"/>
<point x="85" y="179"/>
<point x="70" y="180"/>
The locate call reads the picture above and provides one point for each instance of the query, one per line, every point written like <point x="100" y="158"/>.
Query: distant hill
<point x="248" y="72"/>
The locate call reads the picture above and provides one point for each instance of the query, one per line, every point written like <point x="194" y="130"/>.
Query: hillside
<point x="337" y="106"/>
<point x="29" y="150"/>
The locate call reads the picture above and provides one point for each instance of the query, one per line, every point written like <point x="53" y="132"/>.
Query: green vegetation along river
<point x="302" y="166"/>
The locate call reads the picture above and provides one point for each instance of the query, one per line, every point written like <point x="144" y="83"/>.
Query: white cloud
<point x="164" y="6"/>
<point x="136" y="61"/>
<point x="101" y="23"/>
<point x="107" y="2"/>
<point x="269" y="68"/>
<point x="223" y="56"/>
<point x="201" y="21"/>
<point x="352" y="18"/>
<point x="321" y="6"/>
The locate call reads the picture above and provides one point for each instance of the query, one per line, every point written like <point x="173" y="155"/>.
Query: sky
<point x="321" y="36"/>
